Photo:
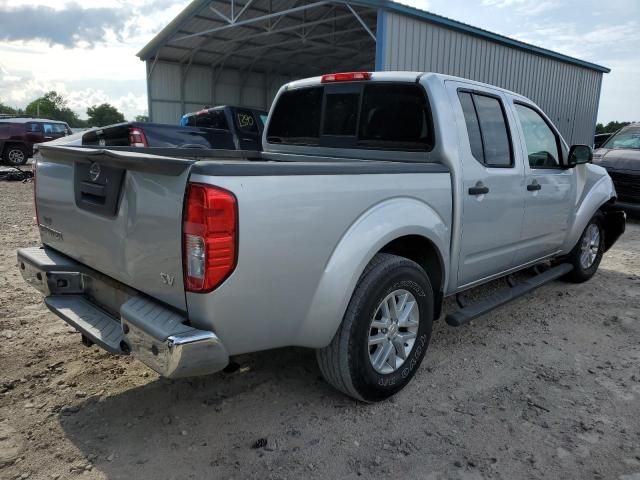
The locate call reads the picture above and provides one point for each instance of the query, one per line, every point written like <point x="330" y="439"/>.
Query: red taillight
<point x="209" y="237"/>
<point x="137" y="138"/>
<point x="345" y="77"/>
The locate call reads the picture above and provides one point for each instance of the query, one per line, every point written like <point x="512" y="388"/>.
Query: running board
<point x="505" y="295"/>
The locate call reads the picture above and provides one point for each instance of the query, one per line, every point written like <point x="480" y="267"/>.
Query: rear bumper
<point x="119" y="319"/>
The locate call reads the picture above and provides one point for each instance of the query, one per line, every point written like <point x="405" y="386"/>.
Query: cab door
<point x="493" y="183"/>
<point x="550" y="187"/>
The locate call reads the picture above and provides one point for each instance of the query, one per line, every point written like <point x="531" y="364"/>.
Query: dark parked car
<point x="18" y="135"/>
<point x="228" y="128"/>
<point x="620" y="155"/>
<point x="599" y="139"/>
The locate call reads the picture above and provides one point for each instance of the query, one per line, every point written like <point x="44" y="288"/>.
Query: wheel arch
<point x="425" y="253"/>
<point x="595" y="199"/>
<point x="401" y="226"/>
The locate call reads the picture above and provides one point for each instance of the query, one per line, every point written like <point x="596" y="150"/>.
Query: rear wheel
<point x="385" y="331"/>
<point x="15" y="155"/>
<point x="587" y="254"/>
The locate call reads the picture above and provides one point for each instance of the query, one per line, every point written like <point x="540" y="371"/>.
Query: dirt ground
<point x="546" y="387"/>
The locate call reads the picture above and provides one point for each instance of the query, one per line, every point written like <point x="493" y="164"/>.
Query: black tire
<point x="15" y="155"/>
<point x="345" y="363"/>
<point x="580" y="272"/>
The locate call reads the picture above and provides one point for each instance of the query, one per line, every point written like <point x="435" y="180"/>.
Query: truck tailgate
<point x="119" y="213"/>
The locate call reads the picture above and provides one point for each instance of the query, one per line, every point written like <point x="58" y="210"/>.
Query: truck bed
<point x="293" y="211"/>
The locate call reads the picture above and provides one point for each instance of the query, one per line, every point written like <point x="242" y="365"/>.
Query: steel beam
<point x="256" y="19"/>
<point x="362" y="22"/>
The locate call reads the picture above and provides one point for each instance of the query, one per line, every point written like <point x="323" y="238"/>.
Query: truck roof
<point x="404" y="76"/>
<point x="28" y="119"/>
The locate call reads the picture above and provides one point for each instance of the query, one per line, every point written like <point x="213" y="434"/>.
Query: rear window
<point x="377" y="116"/>
<point x="209" y="119"/>
<point x="296" y="117"/>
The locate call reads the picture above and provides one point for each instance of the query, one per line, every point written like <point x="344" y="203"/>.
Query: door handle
<point x="532" y="187"/>
<point x="479" y="189"/>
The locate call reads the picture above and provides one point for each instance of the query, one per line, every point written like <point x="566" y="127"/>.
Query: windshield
<point x="629" y="138"/>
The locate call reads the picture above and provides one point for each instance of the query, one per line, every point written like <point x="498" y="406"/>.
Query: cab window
<point x="542" y="142"/>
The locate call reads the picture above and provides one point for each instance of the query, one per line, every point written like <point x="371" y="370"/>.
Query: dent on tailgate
<point x="118" y="213"/>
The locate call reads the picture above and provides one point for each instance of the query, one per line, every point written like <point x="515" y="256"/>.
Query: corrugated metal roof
<point x="201" y="32"/>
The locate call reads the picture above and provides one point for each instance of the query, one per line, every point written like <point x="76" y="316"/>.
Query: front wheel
<point x="587" y="254"/>
<point x="15" y="155"/>
<point x="385" y="331"/>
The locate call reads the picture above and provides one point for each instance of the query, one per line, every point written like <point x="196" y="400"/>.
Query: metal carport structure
<point x="241" y="51"/>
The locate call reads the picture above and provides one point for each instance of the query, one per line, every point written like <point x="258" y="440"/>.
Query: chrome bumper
<point x="120" y="319"/>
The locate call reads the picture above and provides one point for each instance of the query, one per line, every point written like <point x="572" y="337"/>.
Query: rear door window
<point x="487" y="129"/>
<point x="354" y="115"/>
<point x="473" y="126"/>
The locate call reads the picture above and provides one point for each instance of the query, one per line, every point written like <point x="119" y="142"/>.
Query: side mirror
<point x="579" y="154"/>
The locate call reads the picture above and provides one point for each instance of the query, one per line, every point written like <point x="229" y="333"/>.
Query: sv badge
<point x="167" y="279"/>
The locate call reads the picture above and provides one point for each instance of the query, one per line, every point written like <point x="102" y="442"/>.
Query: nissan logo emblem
<point x="94" y="171"/>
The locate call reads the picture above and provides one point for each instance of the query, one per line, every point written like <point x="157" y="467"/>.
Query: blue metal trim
<point x="380" y="39"/>
<point x="478" y="32"/>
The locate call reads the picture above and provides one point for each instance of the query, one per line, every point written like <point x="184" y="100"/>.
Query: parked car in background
<point x="376" y="195"/>
<point x="219" y="128"/>
<point x="620" y="155"/>
<point x="18" y="136"/>
<point x="599" y="139"/>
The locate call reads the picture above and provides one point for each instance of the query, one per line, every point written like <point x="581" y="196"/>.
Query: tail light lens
<point x="137" y="138"/>
<point x="209" y="237"/>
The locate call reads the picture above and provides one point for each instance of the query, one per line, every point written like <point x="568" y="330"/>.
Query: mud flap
<point x="614" y="224"/>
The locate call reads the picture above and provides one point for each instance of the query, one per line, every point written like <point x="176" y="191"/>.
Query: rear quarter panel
<point x="303" y="243"/>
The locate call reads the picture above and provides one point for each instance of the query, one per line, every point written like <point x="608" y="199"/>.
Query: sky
<point x="87" y="50"/>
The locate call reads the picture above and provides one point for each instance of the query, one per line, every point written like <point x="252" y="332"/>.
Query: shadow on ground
<point x="499" y="392"/>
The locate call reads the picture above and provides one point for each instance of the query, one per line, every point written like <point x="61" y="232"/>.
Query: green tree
<point x="142" y="118"/>
<point x="53" y="106"/>
<point x="105" y="114"/>
<point x="5" y="109"/>
<point x="610" y="127"/>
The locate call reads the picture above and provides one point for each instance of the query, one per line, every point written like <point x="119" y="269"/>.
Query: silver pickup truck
<point x="376" y="196"/>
